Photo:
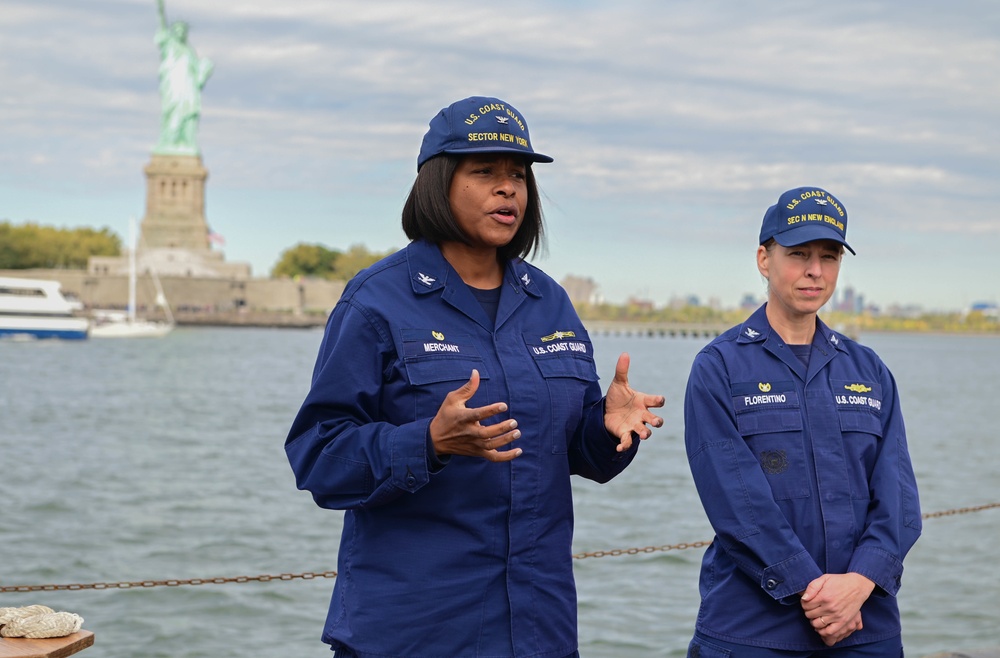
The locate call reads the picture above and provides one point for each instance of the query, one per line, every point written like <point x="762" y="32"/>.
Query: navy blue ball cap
<point x="803" y="215"/>
<point x="478" y="124"/>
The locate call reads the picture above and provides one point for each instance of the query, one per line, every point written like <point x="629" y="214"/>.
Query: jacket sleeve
<point x="734" y="491"/>
<point x="893" y="523"/>
<point x="339" y="448"/>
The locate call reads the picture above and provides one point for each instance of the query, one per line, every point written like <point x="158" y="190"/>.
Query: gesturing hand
<point x="455" y="429"/>
<point x="626" y="411"/>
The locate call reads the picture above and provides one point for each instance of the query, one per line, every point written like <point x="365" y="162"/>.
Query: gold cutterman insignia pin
<point x="858" y="388"/>
<point x="438" y="335"/>
<point x="558" y="335"/>
<point x="764" y="387"/>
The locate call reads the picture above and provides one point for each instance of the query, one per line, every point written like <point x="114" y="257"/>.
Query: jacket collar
<point x="429" y="271"/>
<point x="756" y="329"/>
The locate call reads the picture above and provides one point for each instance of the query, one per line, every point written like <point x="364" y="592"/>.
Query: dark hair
<point x="427" y="211"/>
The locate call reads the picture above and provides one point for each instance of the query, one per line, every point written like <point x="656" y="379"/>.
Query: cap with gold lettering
<point x="478" y="124"/>
<point x="803" y="215"/>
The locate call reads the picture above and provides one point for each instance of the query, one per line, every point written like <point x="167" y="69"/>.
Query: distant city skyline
<point x="673" y="126"/>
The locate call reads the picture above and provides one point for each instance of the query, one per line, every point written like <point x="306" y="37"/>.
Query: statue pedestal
<point x="175" y="204"/>
<point x="174" y="231"/>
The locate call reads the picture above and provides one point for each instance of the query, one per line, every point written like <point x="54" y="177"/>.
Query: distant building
<point x="641" y="304"/>
<point x="848" y="301"/>
<point x="986" y="309"/>
<point x="750" y="302"/>
<point x="581" y="290"/>
<point x="910" y="311"/>
<point x="684" y="302"/>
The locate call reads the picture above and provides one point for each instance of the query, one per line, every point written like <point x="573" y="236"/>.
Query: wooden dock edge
<point x="55" y="647"/>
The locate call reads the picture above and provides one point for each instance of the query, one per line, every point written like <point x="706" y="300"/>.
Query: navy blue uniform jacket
<point x="462" y="556"/>
<point x="801" y="472"/>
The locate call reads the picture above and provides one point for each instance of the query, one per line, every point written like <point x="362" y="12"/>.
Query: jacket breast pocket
<point x="859" y="409"/>
<point x="769" y="418"/>
<point x="437" y="364"/>
<point x="567" y="367"/>
<point x="862" y="432"/>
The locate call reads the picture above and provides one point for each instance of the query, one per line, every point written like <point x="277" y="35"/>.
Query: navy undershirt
<point x="802" y="351"/>
<point x="489" y="300"/>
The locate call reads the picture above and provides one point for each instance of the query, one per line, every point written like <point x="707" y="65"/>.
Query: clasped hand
<point x="832" y="603"/>
<point x="458" y="430"/>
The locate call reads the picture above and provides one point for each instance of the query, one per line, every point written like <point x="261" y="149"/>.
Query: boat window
<point x="23" y="292"/>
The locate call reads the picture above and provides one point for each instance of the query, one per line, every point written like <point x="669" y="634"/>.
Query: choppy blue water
<point x="155" y="460"/>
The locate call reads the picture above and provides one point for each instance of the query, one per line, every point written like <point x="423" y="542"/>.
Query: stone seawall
<point x="196" y="295"/>
<point x="251" y="319"/>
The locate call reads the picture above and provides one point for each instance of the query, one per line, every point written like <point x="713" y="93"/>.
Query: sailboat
<point x="126" y="325"/>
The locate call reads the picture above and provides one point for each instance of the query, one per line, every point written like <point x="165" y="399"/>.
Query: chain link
<point x="961" y="510"/>
<point x="310" y="575"/>
<point x="263" y="578"/>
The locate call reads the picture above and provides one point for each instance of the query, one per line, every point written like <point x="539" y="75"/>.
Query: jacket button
<point x="771" y="583"/>
<point x="411" y="481"/>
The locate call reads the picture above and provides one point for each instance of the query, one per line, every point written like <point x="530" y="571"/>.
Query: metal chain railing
<point x="310" y="575"/>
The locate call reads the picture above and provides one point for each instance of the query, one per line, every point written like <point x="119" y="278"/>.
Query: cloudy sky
<point x="674" y="125"/>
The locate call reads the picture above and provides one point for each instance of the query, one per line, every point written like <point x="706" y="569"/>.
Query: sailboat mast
<point x="131" y="270"/>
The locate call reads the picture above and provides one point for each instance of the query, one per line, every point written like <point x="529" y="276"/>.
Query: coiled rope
<point x="38" y="622"/>
<point x="309" y="575"/>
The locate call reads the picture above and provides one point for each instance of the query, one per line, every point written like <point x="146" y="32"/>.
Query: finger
<point x="621" y="369"/>
<point x="813" y="589"/>
<point x="482" y="413"/>
<point x="653" y="400"/>
<point x="651" y="419"/>
<point x="502" y="455"/>
<point x="639" y="430"/>
<point x="496" y="436"/>
<point x="468" y="389"/>
<point x="624" y="441"/>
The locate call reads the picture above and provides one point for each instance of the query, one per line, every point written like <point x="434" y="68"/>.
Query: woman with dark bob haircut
<point x="454" y="395"/>
<point x="427" y="211"/>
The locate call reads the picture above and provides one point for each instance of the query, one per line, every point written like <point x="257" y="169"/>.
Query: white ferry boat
<point x="36" y="308"/>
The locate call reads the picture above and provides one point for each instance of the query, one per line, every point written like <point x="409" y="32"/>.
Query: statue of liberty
<point x="182" y="76"/>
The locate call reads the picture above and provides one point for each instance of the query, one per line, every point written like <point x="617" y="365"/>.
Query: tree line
<point x="318" y="261"/>
<point x="32" y="246"/>
<point x="28" y="246"/>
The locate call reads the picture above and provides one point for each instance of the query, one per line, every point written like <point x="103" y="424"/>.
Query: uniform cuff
<point x="790" y="577"/>
<point x="878" y="566"/>
<point x="410" y="469"/>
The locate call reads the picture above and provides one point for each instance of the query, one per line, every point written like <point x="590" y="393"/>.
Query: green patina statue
<point x="182" y="76"/>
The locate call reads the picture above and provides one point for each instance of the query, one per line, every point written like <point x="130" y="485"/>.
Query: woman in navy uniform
<point x="454" y="394"/>
<point x="796" y="443"/>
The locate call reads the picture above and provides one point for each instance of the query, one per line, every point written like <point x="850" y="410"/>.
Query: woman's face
<point x="802" y="278"/>
<point x="488" y="197"/>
